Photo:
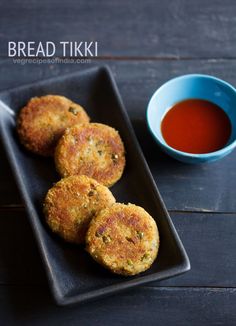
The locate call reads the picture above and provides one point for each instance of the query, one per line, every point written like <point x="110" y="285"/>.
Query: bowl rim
<point x="219" y="152"/>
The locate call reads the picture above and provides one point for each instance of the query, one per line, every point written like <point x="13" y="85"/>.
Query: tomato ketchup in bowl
<point x="196" y="126"/>
<point x="193" y="118"/>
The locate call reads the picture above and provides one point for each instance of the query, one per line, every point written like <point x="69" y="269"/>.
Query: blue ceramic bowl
<point x="192" y="87"/>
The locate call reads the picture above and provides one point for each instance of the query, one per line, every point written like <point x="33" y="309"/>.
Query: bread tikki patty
<point x="123" y="238"/>
<point x="71" y="204"/>
<point x="92" y="149"/>
<point x="44" y="119"/>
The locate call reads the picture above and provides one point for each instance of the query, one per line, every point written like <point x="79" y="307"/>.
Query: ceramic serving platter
<point x="73" y="275"/>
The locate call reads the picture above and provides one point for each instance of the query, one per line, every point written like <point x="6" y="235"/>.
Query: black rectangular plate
<point x="73" y="275"/>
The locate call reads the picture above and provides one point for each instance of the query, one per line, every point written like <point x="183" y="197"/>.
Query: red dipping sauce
<point x="196" y="126"/>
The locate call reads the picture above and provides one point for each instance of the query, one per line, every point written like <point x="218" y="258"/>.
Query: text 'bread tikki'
<point x="44" y="119"/>
<point x="92" y="149"/>
<point x="71" y="204"/>
<point x="123" y="238"/>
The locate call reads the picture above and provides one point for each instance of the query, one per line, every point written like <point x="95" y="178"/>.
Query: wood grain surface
<point x="157" y="29"/>
<point x="145" y="43"/>
<point x="142" y="306"/>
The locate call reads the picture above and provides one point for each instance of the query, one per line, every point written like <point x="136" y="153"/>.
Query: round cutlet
<point x="44" y="119"/>
<point x="123" y="238"/>
<point x="93" y="149"/>
<point x="71" y="204"/>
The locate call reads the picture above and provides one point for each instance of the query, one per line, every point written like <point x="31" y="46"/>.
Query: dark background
<point x="145" y="43"/>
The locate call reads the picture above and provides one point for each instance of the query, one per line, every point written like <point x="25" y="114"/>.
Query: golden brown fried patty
<point x="123" y="238"/>
<point x="44" y="119"/>
<point x="93" y="149"/>
<point x="71" y="204"/>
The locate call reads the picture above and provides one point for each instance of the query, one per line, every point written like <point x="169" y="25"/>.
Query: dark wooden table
<point x="145" y="43"/>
